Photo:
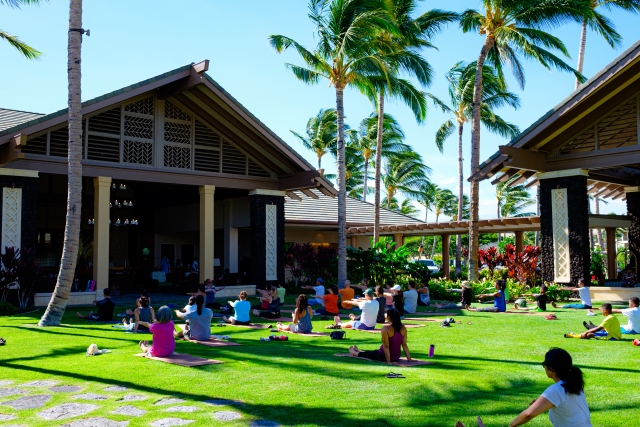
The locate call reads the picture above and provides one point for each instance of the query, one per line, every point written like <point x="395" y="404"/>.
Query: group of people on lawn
<point x="565" y="399"/>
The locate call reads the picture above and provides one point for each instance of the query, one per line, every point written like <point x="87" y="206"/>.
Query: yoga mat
<point x="530" y="313"/>
<point x="426" y="314"/>
<point x="182" y="359"/>
<point x="402" y="362"/>
<point x="378" y="330"/>
<point x="312" y="334"/>
<point x="215" y="343"/>
<point x="315" y="317"/>
<point x="250" y="326"/>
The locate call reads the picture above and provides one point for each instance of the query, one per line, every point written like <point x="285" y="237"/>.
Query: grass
<point x="490" y="368"/>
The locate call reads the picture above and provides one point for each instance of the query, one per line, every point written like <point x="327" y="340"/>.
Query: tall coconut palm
<point x="58" y="303"/>
<point x="461" y="80"/>
<point x="512" y="29"/>
<point x="404" y="175"/>
<point x="426" y="196"/>
<point x="345" y="55"/>
<point x="322" y="130"/>
<point x="401" y="49"/>
<point x="24" y="49"/>
<point x="599" y="23"/>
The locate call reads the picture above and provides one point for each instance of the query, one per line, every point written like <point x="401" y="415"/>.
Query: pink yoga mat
<point x="402" y="362"/>
<point x="182" y="359"/>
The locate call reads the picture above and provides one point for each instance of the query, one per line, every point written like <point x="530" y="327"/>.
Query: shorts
<point x="296" y="329"/>
<point x="359" y="325"/>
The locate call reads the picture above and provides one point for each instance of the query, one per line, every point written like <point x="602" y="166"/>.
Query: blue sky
<point x="134" y="40"/>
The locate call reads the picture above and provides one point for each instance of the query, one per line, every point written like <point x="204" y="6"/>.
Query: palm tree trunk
<point x="475" y="159"/>
<point x="319" y="162"/>
<point x="498" y="218"/>
<point x="435" y="240"/>
<point x="376" y="200"/>
<point x="460" y="197"/>
<point x="583" y="46"/>
<point x="364" y="184"/>
<point x="60" y="296"/>
<point x="342" y="191"/>
<point x="597" y="212"/>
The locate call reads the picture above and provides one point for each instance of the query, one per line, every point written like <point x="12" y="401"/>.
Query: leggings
<point x="269" y="315"/>
<point x="371" y="355"/>
<point x="579" y="306"/>
<point x="450" y="306"/>
<point x="237" y="322"/>
<point x="213" y="305"/>
<point x="324" y="312"/>
<point x="423" y="304"/>
<point x="488" y="309"/>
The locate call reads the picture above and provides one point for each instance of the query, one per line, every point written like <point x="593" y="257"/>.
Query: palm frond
<point x="470" y="21"/>
<point x="443" y="133"/>
<point x="26" y="50"/>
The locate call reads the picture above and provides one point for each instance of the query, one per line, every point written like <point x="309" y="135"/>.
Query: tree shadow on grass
<point x="50" y="331"/>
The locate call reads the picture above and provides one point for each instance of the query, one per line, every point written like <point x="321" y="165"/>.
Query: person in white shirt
<point x="369" y="307"/>
<point x="585" y="296"/>
<point x="411" y="298"/>
<point x="319" y="290"/>
<point x="565" y="400"/>
<point x="633" y="317"/>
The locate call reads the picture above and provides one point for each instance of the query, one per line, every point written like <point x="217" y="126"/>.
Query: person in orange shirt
<point x="330" y="303"/>
<point x="347" y="294"/>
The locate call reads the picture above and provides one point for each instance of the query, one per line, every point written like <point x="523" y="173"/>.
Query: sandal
<point x="2" y="341"/>
<point x="394" y="375"/>
<point x="333" y="327"/>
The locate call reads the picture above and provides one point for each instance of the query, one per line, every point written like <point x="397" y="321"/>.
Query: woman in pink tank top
<point x="394" y="340"/>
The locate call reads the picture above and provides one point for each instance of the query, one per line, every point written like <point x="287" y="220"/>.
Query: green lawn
<point x="490" y="368"/>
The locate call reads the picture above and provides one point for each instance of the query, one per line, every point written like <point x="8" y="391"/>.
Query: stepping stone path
<point x="90" y="396"/>
<point x="67" y="410"/>
<point x="222" y="402"/>
<point x="169" y="401"/>
<point x="4" y="417"/>
<point x="116" y="388"/>
<point x="171" y="422"/>
<point x="65" y="389"/>
<point x="28" y="402"/>
<point x="129" y="410"/>
<point x="182" y="409"/>
<point x="227" y="415"/>
<point x="5" y="382"/>
<point x="133" y="398"/>
<point x="47" y="383"/>
<point x="264" y="423"/>
<point x="4" y="392"/>
<point x="97" y="422"/>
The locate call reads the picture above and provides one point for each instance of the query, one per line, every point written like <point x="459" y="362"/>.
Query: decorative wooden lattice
<point x="271" y="238"/>
<point x="11" y="217"/>
<point x="138" y="152"/>
<point x="171" y="111"/>
<point x="142" y="106"/>
<point x="139" y="127"/>
<point x="177" y="157"/>
<point x="560" y="214"/>
<point x="179" y="133"/>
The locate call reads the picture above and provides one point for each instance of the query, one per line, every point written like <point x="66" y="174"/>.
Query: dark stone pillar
<point x="28" y="235"/>
<point x="258" y="218"/>
<point x="633" y="210"/>
<point x="578" y="205"/>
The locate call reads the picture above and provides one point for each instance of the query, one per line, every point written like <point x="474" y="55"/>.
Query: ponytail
<point x="560" y="361"/>
<point x="199" y="304"/>
<point x="394" y="317"/>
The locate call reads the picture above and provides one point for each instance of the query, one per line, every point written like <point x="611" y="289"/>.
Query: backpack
<point x="337" y="335"/>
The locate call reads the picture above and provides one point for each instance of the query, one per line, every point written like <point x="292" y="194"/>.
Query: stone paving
<point x="37" y="395"/>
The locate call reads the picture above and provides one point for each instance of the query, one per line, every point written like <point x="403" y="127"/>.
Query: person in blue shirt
<point x="165" y="265"/>
<point x="242" y="309"/>
<point x="499" y="302"/>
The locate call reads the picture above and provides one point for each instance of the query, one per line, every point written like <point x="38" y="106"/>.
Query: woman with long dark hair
<point x="394" y="340"/>
<point x="565" y="399"/>
<point x="301" y="318"/>
<point x="199" y="322"/>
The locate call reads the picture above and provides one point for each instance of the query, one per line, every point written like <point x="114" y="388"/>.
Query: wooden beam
<point x="523" y="177"/>
<point x="294" y="196"/>
<point x="605" y="190"/>
<point x="612" y="192"/>
<point x="602" y="177"/>
<point x="532" y="183"/>
<point x="596" y="159"/>
<point x="299" y="180"/>
<point x="181" y="85"/>
<point x="326" y="192"/>
<point x="505" y="176"/>
<point x="481" y="174"/>
<point x="309" y="193"/>
<point x="524" y="159"/>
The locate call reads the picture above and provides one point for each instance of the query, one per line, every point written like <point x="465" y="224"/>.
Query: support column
<point x="398" y="239"/>
<point x="519" y="241"/>
<point x="206" y="232"/>
<point x="353" y="241"/>
<point x="633" y="210"/>
<point x="445" y="255"/>
<point x="230" y="239"/>
<point x="101" y="230"/>
<point x="267" y="237"/>
<point x="612" y="268"/>
<point x="564" y="226"/>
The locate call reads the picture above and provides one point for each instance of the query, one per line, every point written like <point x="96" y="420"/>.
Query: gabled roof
<point x="324" y="211"/>
<point x="13" y="118"/>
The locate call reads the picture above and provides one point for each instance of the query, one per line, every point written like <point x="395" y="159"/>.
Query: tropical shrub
<point x="521" y="266"/>
<point x="597" y="266"/>
<point x="18" y="267"/>
<point x="7" y="309"/>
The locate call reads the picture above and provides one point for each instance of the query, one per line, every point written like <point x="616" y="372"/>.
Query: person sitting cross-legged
<point x="585" y="296"/>
<point x="369" y="307"/>
<point x="319" y="290"/>
<point x="499" y="303"/>
<point x="609" y="329"/>
<point x="198" y="327"/>
<point x="541" y="300"/>
<point x="273" y="310"/>
<point x="302" y="316"/>
<point x="330" y="303"/>
<point x="394" y="340"/>
<point x="465" y="302"/>
<point x="633" y="317"/>
<point x="242" y="308"/>
<point x="105" y="309"/>
<point x="144" y="313"/>
<point x="163" y="343"/>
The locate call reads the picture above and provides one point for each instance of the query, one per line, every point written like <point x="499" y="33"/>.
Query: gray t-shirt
<point x="410" y="301"/>
<point x="200" y="325"/>
<point x="570" y="410"/>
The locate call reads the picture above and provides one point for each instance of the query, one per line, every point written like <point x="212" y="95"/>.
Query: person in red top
<point x="162" y="329"/>
<point x="330" y="303"/>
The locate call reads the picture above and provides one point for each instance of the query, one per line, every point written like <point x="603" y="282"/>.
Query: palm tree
<point x="445" y="203"/>
<point x="511" y="29"/>
<point x="346" y="56"/>
<point x="602" y="25"/>
<point x="512" y="199"/>
<point x="321" y="132"/>
<point x="58" y="303"/>
<point x="461" y="80"/>
<point x="26" y="50"/>
<point x="426" y="196"/>
<point x="404" y="175"/>
<point x="405" y="208"/>
<point x="401" y="49"/>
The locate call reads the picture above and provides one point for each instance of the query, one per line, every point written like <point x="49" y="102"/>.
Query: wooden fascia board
<point x="11" y="152"/>
<point x="266" y="132"/>
<point x="482" y="173"/>
<point x="116" y="99"/>
<point x="181" y="85"/>
<point x="228" y="133"/>
<point x="612" y="179"/>
<point x="596" y="159"/>
<point x="521" y="158"/>
<point x="299" y="180"/>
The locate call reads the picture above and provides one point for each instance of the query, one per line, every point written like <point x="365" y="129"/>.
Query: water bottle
<point x="431" y="350"/>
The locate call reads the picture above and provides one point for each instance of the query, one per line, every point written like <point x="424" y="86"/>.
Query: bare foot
<point x="353" y="351"/>
<point x="255" y="312"/>
<point x="553" y="303"/>
<point x="351" y="316"/>
<point x="337" y="320"/>
<point x="225" y="318"/>
<point x="79" y="315"/>
<point x="124" y="322"/>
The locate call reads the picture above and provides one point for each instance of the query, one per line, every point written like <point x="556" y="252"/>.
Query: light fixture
<point x="110" y="206"/>
<point x="123" y="187"/>
<point x="113" y="186"/>
<point x="130" y="204"/>
<point x="126" y="221"/>
<point x="118" y="222"/>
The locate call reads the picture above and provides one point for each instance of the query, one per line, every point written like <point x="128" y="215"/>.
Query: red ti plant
<point x="490" y="257"/>
<point x="522" y="266"/>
